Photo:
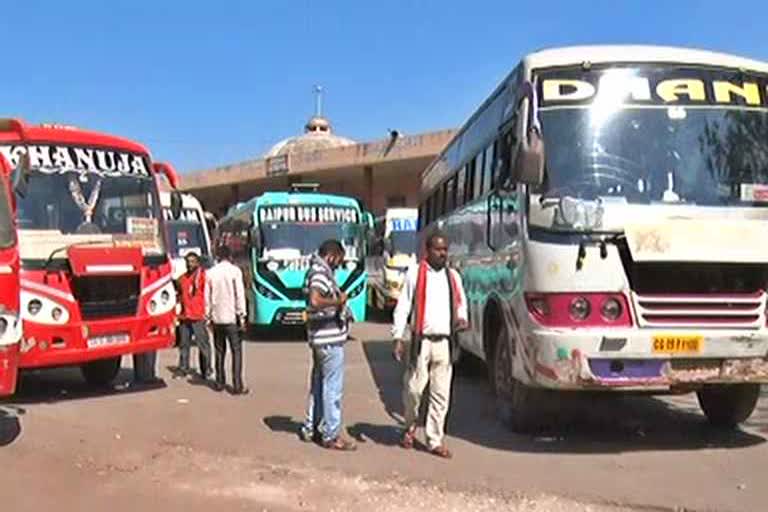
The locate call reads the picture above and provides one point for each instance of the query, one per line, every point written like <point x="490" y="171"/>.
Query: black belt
<point x="435" y="337"/>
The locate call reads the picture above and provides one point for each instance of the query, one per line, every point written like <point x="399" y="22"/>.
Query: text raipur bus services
<point x="95" y="273"/>
<point x="608" y="210"/>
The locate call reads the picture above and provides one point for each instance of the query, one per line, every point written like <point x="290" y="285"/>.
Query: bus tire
<point x="102" y="372"/>
<point x="144" y="366"/>
<point x="518" y="406"/>
<point x="727" y="405"/>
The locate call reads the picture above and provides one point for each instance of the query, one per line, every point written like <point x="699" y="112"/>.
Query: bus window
<point x="479" y="172"/>
<point x="461" y="185"/>
<point x="450" y="195"/>
<point x="489" y="167"/>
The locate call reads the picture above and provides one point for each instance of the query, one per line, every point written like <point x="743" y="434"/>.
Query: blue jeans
<point x="326" y="390"/>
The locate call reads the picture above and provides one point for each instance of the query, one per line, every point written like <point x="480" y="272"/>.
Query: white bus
<point x="607" y="210"/>
<point x="189" y="233"/>
<point x="398" y="245"/>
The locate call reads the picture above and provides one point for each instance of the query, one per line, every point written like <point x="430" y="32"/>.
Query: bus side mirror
<point x="169" y="172"/>
<point x="528" y="163"/>
<point x="176" y="204"/>
<point x="20" y="175"/>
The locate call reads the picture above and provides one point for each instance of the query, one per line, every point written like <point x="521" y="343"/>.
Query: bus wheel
<point x="144" y="366"/>
<point x="518" y="405"/>
<point x="727" y="405"/>
<point x="100" y="373"/>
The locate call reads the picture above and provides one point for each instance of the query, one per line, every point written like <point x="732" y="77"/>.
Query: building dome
<point x="317" y="135"/>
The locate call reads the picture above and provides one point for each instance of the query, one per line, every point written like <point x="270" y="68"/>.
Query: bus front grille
<point x="741" y="311"/>
<point x="103" y="297"/>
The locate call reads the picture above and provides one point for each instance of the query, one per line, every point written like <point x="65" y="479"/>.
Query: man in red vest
<point x="192" y="295"/>
<point x="434" y="300"/>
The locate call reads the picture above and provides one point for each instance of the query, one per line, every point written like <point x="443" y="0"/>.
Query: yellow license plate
<point x="678" y="344"/>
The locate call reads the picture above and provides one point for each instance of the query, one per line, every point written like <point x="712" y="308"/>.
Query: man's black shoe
<point x="217" y="386"/>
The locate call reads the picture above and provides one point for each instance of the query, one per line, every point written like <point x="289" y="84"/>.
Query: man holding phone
<point x="328" y="318"/>
<point x="226" y="310"/>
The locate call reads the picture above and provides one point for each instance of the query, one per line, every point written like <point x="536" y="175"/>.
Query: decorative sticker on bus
<point x="654" y="85"/>
<point x="58" y="159"/>
<point x="403" y="224"/>
<point x="309" y="214"/>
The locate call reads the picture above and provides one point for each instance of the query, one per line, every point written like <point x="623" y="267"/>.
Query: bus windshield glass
<point x="306" y="239"/>
<point x="6" y="221"/>
<point x="73" y="207"/>
<point x="404" y="242"/>
<point x="185" y="238"/>
<point x="656" y="134"/>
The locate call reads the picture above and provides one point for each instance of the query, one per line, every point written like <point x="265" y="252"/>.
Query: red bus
<point x="94" y="270"/>
<point x="10" y="328"/>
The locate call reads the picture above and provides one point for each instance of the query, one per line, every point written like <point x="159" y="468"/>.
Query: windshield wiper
<point x="54" y="252"/>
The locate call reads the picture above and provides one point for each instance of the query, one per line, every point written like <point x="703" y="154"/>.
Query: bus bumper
<point x="79" y="342"/>
<point x="625" y="359"/>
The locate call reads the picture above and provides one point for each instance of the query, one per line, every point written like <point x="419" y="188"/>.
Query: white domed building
<point x="317" y="136"/>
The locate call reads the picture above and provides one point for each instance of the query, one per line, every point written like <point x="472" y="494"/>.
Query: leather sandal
<point x="442" y="452"/>
<point x="409" y="436"/>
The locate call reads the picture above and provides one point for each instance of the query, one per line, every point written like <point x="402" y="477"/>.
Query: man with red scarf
<point x="434" y="300"/>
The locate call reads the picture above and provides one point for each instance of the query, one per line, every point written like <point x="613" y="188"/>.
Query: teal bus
<point x="272" y="238"/>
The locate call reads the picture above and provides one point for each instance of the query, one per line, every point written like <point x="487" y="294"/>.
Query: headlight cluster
<point x="357" y="290"/>
<point x="588" y="309"/>
<point x="162" y="301"/>
<point x="9" y="328"/>
<point x="266" y="292"/>
<point x="37" y="308"/>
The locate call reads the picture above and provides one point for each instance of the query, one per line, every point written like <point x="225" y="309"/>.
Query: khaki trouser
<point x="432" y="367"/>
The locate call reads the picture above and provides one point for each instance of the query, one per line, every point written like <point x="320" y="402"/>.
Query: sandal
<point x="340" y="444"/>
<point x="442" y="452"/>
<point x="409" y="436"/>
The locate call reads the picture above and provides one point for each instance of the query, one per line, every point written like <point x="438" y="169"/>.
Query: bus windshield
<point x="697" y="150"/>
<point x="6" y="221"/>
<point x="306" y="238"/>
<point x="185" y="238"/>
<point x="404" y="242"/>
<point x="61" y="208"/>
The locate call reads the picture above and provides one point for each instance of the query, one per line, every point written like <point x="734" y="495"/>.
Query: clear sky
<point x="211" y="83"/>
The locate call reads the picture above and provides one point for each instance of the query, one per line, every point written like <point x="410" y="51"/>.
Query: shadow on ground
<point x="64" y="384"/>
<point x="586" y="423"/>
<point x="281" y="334"/>
<point x="10" y="426"/>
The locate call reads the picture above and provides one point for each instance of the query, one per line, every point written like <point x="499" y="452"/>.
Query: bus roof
<point x="54" y="133"/>
<point x="601" y="54"/>
<point x="598" y="54"/>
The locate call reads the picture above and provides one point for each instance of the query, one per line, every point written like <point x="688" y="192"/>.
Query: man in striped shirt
<point x="327" y="331"/>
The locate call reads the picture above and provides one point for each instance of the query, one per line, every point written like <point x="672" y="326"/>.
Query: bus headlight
<point x="266" y="292"/>
<point x="40" y="309"/>
<point x="357" y="290"/>
<point x="34" y="306"/>
<point x="611" y="309"/>
<point x="273" y="266"/>
<point x="351" y="265"/>
<point x="162" y="301"/>
<point x="580" y="308"/>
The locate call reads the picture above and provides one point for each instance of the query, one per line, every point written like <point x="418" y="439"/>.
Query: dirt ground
<point x="184" y="447"/>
